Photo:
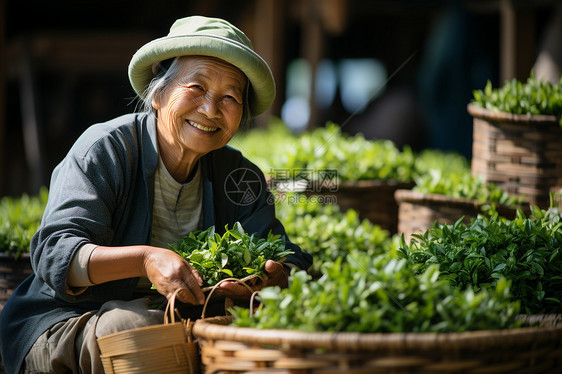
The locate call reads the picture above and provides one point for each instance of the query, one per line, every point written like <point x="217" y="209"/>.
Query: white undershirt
<point x="177" y="207"/>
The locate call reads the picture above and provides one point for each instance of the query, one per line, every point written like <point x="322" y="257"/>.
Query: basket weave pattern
<point x="162" y="348"/>
<point x="12" y="273"/>
<point x="228" y="349"/>
<point x="521" y="154"/>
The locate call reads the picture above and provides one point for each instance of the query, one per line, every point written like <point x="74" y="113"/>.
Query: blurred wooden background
<point x="63" y="63"/>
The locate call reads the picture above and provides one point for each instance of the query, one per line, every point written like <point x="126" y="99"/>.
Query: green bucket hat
<point x="205" y="36"/>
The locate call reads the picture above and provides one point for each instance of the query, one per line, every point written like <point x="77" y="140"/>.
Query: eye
<point x="196" y="87"/>
<point x="233" y="99"/>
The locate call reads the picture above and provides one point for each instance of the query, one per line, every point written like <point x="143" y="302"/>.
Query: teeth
<point x="203" y="128"/>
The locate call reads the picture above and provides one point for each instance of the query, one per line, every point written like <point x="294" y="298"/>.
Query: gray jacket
<point x="102" y="193"/>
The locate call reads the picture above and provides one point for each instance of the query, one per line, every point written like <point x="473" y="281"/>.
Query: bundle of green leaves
<point x="233" y="254"/>
<point x="20" y="218"/>
<point x="525" y="250"/>
<point x="380" y="294"/>
<point x="327" y="233"/>
<point x="532" y="97"/>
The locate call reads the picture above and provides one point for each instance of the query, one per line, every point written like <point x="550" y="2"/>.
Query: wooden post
<point x="268" y="42"/>
<point x="2" y="92"/>
<point x="517" y="38"/>
<point x="312" y="49"/>
<point x="30" y="120"/>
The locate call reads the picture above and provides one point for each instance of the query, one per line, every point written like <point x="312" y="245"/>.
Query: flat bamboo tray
<point x="229" y="349"/>
<point x="522" y="154"/>
<point x="418" y="211"/>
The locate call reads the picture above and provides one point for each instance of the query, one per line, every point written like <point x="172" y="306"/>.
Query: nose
<point x="209" y="106"/>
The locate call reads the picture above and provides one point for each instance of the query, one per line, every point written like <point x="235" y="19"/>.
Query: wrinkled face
<point x="202" y="109"/>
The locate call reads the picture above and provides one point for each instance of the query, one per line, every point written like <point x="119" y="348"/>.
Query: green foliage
<point x="20" y="218"/>
<point x="363" y="294"/>
<point x="354" y="157"/>
<point x="233" y="254"/>
<point x="326" y="148"/>
<point x="326" y="232"/>
<point x="463" y="185"/>
<point x="263" y="146"/>
<point x="532" y="97"/>
<point x="446" y="162"/>
<point x="525" y="250"/>
<point x="449" y="174"/>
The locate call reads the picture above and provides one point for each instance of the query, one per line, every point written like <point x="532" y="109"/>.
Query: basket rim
<point x="492" y="115"/>
<point x="420" y="198"/>
<point x="24" y="256"/>
<point x="361" y="184"/>
<point x="403" y="195"/>
<point x="217" y="328"/>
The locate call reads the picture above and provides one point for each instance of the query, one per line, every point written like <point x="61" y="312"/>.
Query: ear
<point x="155" y="103"/>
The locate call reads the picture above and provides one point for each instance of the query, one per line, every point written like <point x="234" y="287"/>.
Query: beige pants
<point x="71" y="346"/>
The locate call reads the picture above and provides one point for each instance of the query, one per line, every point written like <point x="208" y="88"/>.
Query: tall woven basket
<point x="372" y="199"/>
<point x="163" y="348"/>
<point x="522" y="154"/>
<point x="418" y="211"/>
<point x="229" y="349"/>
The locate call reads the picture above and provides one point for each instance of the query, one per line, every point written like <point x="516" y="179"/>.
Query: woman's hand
<point x="275" y="275"/>
<point x="168" y="271"/>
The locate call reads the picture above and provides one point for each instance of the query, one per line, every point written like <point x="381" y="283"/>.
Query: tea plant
<point x="20" y="218"/>
<point x="327" y="233"/>
<point x="525" y="250"/>
<point x="379" y="294"/>
<point x="531" y="97"/>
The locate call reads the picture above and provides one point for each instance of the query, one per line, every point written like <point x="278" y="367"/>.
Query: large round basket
<point x="12" y="272"/>
<point x="418" y="211"/>
<point x="522" y="154"/>
<point x="372" y="199"/>
<point x="229" y="349"/>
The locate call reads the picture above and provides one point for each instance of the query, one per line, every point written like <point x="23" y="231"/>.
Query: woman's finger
<point x="193" y="284"/>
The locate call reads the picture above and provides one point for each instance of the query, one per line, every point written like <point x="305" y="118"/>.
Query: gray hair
<point x="166" y="75"/>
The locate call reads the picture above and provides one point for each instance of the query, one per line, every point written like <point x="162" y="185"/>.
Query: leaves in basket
<point x="379" y="294"/>
<point x="525" y="250"/>
<point x="20" y="218"/>
<point x="531" y="97"/>
<point x="234" y="254"/>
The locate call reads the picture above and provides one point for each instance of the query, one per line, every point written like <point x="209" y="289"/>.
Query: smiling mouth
<point x="203" y="128"/>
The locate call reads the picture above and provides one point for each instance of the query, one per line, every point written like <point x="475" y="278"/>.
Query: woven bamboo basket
<point x="163" y="348"/>
<point x="372" y="199"/>
<point x="418" y="211"/>
<point x="229" y="349"/>
<point x="522" y="154"/>
<point x="12" y="272"/>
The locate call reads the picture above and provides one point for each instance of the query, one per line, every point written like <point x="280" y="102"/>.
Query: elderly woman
<point x="130" y="186"/>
